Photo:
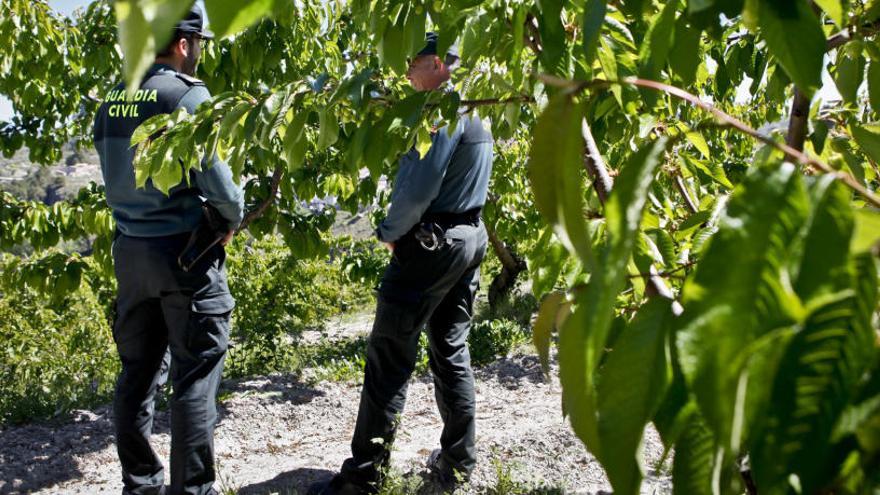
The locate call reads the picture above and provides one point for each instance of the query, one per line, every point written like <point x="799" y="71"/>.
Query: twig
<point x="602" y="183"/>
<point x="737" y="124"/>
<point x="497" y="101"/>
<point x="261" y="208"/>
<point x="667" y="273"/>
<point x="682" y="189"/>
<point x="595" y="164"/>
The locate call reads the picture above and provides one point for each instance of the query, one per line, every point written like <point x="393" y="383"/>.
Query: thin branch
<point x="800" y="106"/>
<point x="602" y="183"/>
<point x="846" y="35"/>
<point x="791" y="153"/>
<point x="497" y="101"/>
<point x="667" y="273"/>
<point x="261" y="208"/>
<point x="682" y="189"/>
<point x="595" y="164"/>
<point x="797" y="124"/>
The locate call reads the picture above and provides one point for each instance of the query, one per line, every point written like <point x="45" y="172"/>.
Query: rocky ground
<point x="278" y="434"/>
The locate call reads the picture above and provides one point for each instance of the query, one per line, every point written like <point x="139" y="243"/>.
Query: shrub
<point x="55" y="358"/>
<point x="277" y="297"/>
<point x="490" y="339"/>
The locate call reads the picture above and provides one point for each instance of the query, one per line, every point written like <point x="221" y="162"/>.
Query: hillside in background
<point x="27" y="180"/>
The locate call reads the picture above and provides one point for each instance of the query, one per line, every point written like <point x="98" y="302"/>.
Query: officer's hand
<point x="389" y="245"/>
<point x="227" y="238"/>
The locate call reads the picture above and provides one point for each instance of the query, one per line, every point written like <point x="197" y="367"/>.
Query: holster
<point x="208" y="234"/>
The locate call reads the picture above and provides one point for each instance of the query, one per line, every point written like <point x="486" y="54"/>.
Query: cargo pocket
<point x="207" y="335"/>
<point x="393" y="319"/>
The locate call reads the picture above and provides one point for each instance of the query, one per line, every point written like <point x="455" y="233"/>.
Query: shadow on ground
<point x="274" y="388"/>
<point x="41" y="455"/>
<point x="293" y="482"/>
<point x="512" y="372"/>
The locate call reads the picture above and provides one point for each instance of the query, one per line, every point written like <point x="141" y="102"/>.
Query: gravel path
<point x="278" y="435"/>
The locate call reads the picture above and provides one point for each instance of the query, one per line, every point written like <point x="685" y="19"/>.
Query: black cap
<point x="431" y="46"/>
<point x="194" y="23"/>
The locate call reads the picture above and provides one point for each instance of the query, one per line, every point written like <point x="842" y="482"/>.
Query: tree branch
<point x="797" y="123"/>
<point x="800" y="106"/>
<point x="497" y="101"/>
<point x="682" y="189"/>
<point x="261" y="208"/>
<point x="793" y="154"/>
<point x="595" y="164"/>
<point x="602" y="183"/>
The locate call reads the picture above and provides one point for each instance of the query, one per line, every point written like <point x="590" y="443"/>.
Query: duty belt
<point x="431" y="230"/>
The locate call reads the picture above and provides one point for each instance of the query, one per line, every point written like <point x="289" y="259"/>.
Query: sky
<point x="66" y="7"/>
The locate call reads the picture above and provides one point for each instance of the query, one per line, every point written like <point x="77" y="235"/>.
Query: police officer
<point x="159" y="305"/>
<point x="438" y="241"/>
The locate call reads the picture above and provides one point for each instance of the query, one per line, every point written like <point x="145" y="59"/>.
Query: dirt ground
<point x="279" y="435"/>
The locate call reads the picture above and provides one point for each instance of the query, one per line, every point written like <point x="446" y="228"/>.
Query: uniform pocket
<point x="393" y="318"/>
<point x="208" y="334"/>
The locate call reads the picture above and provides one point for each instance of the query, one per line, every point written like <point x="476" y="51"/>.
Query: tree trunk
<point x="511" y="266"/>
<point x="797" y="124"/>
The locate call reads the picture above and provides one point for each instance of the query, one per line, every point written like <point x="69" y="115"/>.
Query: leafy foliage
<point x="277" y="297"/>
<point x="55" y="357"/>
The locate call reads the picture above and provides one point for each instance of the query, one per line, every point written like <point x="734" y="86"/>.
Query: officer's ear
<point x="183" y="46"/>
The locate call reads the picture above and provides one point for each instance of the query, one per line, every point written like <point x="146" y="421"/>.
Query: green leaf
<point x="392" y="51"/>
<point x="834" y="9"/>
<point x="148" y="128"/>
<point x="329" y="128"/>
<point x="868" y="138"/>
<point x="623" y="211"/>
<point x="695" y="458"/>
<point x="545" y="323"/>
<point x="233" y="118"/>
<point x="867" y="230"/>
<point x="555" y="172"/>
<point x="169" y="174"/>
<point x="583" y="337"/>
<point x="228" y="18"/>
<point x="823" y="269"/>
<point x="630" y="386"/>
<point x="136" y="41"/>
<point x="594" y="18"/>
<point x="657" y="42"/>
<point x="684" y="56"/>
<point x="824" y="359"/>
<point x="712" y="169"/>
<point x="608" y="62"/>
<point x="696" y="138"/>
<point x="755" y="298"/>
<point x="874" y="85"/>
<point x="552" y="36"/>
<point x="795" y="38"/>
<point x="144" y="26"/>
<point x="295" y="141"/>
<point x="849" y="71"/>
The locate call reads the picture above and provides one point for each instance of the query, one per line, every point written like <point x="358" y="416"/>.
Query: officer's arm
<point x="417" y="184"/>
<point x="215" y="179"/>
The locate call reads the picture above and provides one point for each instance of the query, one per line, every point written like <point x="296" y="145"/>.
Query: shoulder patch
<point x="189" y="80"/>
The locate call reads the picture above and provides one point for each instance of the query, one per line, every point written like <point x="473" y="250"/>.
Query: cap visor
<point x="208" y="35"/>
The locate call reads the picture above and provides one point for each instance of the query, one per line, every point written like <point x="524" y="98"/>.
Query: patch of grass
<point x="339" y="360"/>
<point x="398" y="483"/>
<point x="507" y="483"/>
<point x="345" y="359"/>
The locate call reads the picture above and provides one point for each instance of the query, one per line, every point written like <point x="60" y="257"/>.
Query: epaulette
<point x="189" y="80"/>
